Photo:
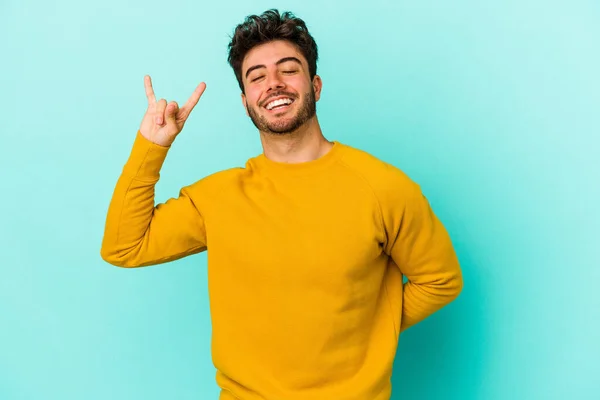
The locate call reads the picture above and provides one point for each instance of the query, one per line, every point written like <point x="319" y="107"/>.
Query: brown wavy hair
<point x="269" y="26"/>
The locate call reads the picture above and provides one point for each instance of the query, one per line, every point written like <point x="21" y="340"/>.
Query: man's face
<point x="277" y="71"/>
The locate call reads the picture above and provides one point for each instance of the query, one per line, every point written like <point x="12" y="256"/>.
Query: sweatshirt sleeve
<point x="137" y="233"/>
<point x="420" y="246"/>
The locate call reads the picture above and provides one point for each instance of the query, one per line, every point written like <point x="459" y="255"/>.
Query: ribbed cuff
<point x="146" y="159"/>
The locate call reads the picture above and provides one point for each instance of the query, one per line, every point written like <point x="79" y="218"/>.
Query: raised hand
<point x="163" y="122"/>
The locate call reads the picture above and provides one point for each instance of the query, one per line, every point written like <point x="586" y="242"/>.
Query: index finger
<point x="192" y="101"/>
<point x="149" y="90"/>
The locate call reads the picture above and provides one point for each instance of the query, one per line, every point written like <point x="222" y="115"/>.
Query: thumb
<point x="171" y="111"/>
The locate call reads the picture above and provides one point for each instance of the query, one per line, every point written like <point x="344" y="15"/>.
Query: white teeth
<point x="278" y="103"/>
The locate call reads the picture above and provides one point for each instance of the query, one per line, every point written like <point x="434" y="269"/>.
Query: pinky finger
<point x="149" y="90"/>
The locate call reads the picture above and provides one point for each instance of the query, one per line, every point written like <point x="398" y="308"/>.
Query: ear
<point x="244" y="102"/>
<point x="317" y="86"/>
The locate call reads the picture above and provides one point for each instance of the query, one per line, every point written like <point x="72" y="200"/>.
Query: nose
<point x="274" y="81"/>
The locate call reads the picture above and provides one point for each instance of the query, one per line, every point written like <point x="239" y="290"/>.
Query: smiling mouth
<point x="279" y="105"/>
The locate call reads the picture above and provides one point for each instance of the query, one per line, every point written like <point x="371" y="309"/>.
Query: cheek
<point x="252" y="97"/>
<point x="301" y="86"/>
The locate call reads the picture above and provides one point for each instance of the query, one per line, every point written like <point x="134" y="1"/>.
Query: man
<point x="307" y="245"/>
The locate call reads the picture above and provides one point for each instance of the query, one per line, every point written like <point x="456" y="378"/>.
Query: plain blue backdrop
<point x="493" y="107"/>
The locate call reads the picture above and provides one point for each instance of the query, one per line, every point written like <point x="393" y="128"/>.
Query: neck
<point x="307" y="143"/>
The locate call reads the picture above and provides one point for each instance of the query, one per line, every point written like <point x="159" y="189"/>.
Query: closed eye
<point x="262" y="76"/>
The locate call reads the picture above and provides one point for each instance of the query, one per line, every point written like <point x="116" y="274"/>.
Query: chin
<point x="282" y="129"/>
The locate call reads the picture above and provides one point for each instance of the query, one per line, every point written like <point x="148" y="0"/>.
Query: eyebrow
<point x="285" y="59"/>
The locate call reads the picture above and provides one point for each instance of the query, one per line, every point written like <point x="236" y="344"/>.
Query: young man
<point x="307" y="243"/>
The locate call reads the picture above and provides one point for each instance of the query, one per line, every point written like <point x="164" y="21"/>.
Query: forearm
<point x="423" y="298"/>
<point x="132" y="205"/>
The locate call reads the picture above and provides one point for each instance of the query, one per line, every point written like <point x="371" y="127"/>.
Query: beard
<point x="282" y="126"/>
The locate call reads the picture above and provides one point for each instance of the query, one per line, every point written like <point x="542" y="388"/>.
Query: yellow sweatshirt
<point x="305" y="265"/>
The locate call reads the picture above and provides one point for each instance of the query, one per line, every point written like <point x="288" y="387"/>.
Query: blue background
<point x="493" y="107"/>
